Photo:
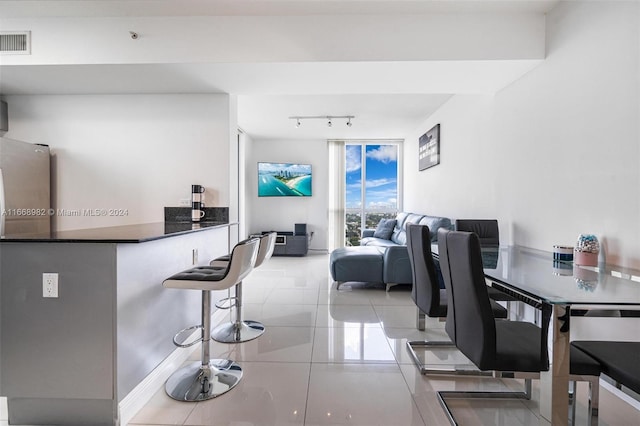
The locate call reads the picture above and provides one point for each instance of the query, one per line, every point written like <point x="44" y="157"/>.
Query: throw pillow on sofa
<point x="385" y="229"/>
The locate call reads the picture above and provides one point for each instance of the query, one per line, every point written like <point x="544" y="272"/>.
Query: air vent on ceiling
<point x="15" y="42"/>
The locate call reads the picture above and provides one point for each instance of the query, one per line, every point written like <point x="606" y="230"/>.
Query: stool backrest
<point x="267" y="244"/>
<point x="243" y="259"/>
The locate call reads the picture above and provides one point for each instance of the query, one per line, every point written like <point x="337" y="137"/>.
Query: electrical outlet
<point x="185" y="202"/>
<point x="50" y="285"/>
<point x="194" y="256"/>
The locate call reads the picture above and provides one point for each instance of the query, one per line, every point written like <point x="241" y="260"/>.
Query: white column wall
<point x="556" y="153"/>
<point x="134" y="152"/>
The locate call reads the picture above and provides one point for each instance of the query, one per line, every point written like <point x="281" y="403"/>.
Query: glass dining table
<point x="554" y="287"/>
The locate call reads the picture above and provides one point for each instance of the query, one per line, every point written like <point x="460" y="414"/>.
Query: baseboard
<point x="4" y="412"/>
<point x="141" y="394"/>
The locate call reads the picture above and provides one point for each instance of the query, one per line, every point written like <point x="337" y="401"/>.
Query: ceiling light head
<point x="329" y="119"/>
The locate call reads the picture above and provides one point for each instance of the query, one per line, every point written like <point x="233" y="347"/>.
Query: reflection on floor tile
<point x="351" y="345"/>
<point x="345" y="315"/>
<point x="490" y="412"/>
<point x="433" y="356"/>
<point x="399" y="295"/>
<point x="293" y="296"/>
<point x="339" y="357"/>
<point x="334" y="297"/>
<point x="278" y="344"/>
<point x="268" y="394"/>
<point x="281" y="314"/>
<point x="163" y="410"/>
<point x="397" y="316"/>
<point x="359" y="395"/>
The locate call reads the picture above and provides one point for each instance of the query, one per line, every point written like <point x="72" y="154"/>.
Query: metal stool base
<point x="237" y="332"/>
<point x="196" y="382"/>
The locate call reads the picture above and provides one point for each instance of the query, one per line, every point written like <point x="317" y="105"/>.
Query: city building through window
<point x="372" y="187"/>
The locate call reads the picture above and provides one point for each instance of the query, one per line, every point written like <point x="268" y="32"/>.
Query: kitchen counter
<point x="112" y="323"/>
<point x="138" y="233"/>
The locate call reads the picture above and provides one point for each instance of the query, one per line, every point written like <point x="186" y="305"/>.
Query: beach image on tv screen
<point x="284" y="179"/>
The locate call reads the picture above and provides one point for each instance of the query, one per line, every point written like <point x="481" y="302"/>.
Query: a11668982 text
<point x="26" y="212"/>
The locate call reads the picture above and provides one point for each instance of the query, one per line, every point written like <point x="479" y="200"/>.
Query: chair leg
<point x="421" y="320"/>
<point x="411" y="345"/>
<point x="573" y="401"/>
<point x="444" y="370"/>
<point x="443" y="395"/>
<point x="237" y="330"/>
<point x="207" y="378"/>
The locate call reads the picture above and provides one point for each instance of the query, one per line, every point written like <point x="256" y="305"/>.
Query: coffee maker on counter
<point x="197" y="203"/>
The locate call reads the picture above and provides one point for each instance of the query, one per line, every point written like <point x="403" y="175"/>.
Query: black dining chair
<point x="430" y="297"/>
<point x="489" y="234"/>
<point x="486" y="229"/>
<point x="509" y="348"/>
<point x="619" y="360"/>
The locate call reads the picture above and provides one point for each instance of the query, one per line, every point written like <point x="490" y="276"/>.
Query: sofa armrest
<point x="397" y="268"/>
<point x="368" y="233"/>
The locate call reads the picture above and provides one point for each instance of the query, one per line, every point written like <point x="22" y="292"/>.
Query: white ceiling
<point x="388" y="99"/>
<point x="107" y="8"/>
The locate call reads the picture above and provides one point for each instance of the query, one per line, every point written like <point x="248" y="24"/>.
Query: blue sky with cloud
<point x="381" y="180"/>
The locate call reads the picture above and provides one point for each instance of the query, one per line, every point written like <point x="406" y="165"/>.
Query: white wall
<point x="281" y="213"/>
<point x="135" y="152"/>
<point x="555" y="154"/>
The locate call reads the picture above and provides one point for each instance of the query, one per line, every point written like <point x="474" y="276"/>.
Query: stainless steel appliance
<point x="25" y="189"/>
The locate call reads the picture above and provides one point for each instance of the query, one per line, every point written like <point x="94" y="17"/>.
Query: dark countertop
<point x="139" y="233"/>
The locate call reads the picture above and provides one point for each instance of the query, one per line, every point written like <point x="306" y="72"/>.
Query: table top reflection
<point x="535" y="273"/>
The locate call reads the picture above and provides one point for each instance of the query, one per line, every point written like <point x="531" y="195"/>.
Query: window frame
<point x="363" y="211"/>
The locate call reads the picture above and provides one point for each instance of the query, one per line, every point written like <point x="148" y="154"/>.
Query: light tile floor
<point x="333" y="357"/>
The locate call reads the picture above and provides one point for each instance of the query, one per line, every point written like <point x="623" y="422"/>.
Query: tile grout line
<point x="313" y="342"/>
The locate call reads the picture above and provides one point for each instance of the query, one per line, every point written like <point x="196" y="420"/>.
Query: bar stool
<point x="239" y="330"/>
<point x="209" y="378"/>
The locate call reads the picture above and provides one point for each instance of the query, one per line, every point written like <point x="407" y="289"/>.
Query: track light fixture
<point x="329" y="119"/>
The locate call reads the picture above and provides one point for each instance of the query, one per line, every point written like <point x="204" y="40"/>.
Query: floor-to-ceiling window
<point x="372" y="189"/>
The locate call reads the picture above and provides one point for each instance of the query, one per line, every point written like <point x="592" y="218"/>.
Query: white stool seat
<point x="209" y="378"/>
<point x="241" y="262"/>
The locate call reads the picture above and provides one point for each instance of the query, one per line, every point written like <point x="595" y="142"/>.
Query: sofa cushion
<point x="357" y="264"/>
<point x="377" y="242"/>
<point x="400" y="218"/>
<point x="434" y="223"/>
<point x="400" y="235"/>
<point x="385" y="229"/>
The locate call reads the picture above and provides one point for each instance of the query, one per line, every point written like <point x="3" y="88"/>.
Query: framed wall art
<point x="429" y="148"/>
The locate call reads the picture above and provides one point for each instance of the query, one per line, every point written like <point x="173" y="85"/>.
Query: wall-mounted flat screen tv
<point x="284" y="180"/>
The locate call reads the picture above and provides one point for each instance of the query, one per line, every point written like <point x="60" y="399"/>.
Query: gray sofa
<point x="383" y="260"/>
